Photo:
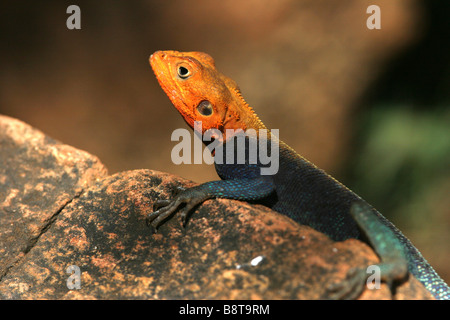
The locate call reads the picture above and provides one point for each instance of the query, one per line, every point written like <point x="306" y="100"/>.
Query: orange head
<point x="200" y="92"/>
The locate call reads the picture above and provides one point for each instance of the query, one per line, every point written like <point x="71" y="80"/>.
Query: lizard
<point x="299" y="189"/>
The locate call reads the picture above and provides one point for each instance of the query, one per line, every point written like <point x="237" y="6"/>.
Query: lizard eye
<point x="183" y="72"/>
<point x="205" y="108"/>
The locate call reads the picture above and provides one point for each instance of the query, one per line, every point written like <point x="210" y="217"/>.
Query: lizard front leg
<point x="238" y="189"/>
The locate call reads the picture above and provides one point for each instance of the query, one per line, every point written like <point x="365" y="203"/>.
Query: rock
<point x="38" y="177"/>
<point x="228" y="250"/>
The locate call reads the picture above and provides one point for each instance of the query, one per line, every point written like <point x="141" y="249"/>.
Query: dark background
<point x="371" y="107"/>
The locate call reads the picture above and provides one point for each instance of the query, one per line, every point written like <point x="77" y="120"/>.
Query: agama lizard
<point x="299" y="189"/>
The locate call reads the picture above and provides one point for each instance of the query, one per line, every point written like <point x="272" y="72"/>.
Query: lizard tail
<point x="395" y="249"/>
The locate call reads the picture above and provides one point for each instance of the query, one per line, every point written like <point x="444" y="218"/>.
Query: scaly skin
<point x="299" y="189"/>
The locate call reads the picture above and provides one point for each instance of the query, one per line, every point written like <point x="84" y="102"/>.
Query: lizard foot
<point x="164" y="209"/>
<point x="350" y="288"/>
<point x="163" y="202"/>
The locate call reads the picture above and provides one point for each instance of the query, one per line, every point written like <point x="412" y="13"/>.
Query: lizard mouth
<point x="161" y="69"/>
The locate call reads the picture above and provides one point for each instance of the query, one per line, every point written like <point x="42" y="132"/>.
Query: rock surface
<point x="38" y="178"/>
<point x="59" y="208"/>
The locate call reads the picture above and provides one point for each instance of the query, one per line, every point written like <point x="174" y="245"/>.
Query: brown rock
<point x="103" y="232"/>
<point x="38" y="177"/>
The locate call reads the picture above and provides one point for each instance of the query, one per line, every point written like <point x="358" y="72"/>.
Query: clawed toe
<point x="160" y="203"/>
<point x="348" y="289"/>
<point x="164" y="209"/>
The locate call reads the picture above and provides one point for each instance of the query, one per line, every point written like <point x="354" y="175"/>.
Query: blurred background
<point x="371" y="107"/>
